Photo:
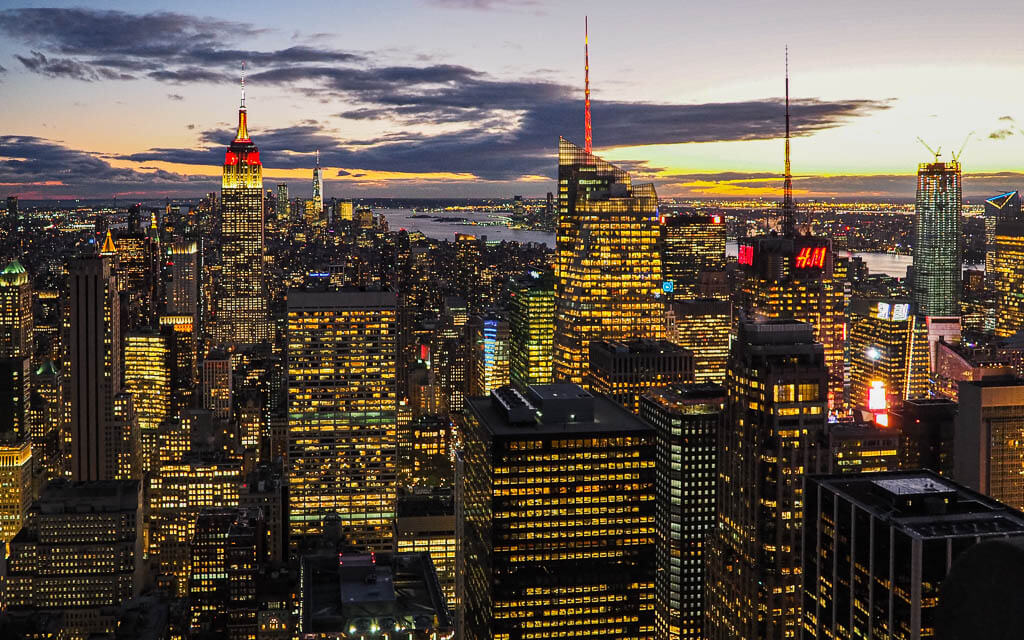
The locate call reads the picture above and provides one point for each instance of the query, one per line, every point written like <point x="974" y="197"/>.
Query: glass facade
<point x="938" y="239"/>
<point x="608" y="263"/>
<point x="887" y="343"/>
<point x="691" y="245"/>
<point x="532" y="329"/>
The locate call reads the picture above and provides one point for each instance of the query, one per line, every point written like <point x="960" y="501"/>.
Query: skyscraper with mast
<point x="789" y="275"/>
<point x="608" y="265"/>
<point x="241" y="309"/>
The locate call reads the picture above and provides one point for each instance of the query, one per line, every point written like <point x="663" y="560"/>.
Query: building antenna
<point x="242" y="105"/>
<point x="588" y="134"/>
<point x="788" y="207"/>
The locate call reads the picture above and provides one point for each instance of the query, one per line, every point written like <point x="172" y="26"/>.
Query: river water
<point x="493" y="226"/>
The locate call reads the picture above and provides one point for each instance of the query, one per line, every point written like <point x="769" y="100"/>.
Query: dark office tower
<point x="1007" y="277"/>
<point x="15" y="312"/>
<point x="183" y="289"/>
<point x="228" y="550"/>
<point x="878" y="546"/>
<point x="342" y="409"/>
<point x="687" y="419"/>
<point x="426" y="524"/>
<point x="862" y="446"/>
<point x="791" y="278"/>
<point x="79" y="554"/>
<point x="607" y="263"/>
<point x="532" y="328"/>
<point x="702" y="326"/>
<point x="94" y="371"/>
<point x="241" y="303"/>
<point x="1002" y="208"/>
<point x="624" y="371"/>
<point x="12" y="208"/>
<point x="567" y="553"/>
<point x="938" y="239"/>
<point x="988" y="443"/>
<point x="180" y="334"/>
<point x="926" y="427"/>
<point x="773" y="434"/>
<point x="691" y="244"/>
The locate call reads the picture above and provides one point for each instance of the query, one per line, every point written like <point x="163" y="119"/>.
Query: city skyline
<point x="394" y="112"/>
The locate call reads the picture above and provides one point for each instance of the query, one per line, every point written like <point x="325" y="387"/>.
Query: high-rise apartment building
<point x="702" y="326"/>
<point x="791" y="278"/>
<point x="938" y="239"/>
<point x="218" y="384"/>
<point x="342" y="408"/>
<point x="558" y="517"/>
<point x="773" y="435"/>
<point x="241" y="303"/>
<point x="147" y="376"/>
<point x="687" y="419"/>
<point x="624" y="371"/>
<point x="887" y="343"/>
<point x="532" y="328"/>
<point x="878" y="546"/>
<point x="691" y="244"/>
<point x="183" y="289"/>
<point x="94" y="368"/>
<point x="608" y="264"/>
<point x="988" y="440"/>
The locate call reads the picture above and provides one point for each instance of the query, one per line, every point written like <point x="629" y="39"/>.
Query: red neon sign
<point x="810" y="258"/>
<point x="745" y="255"/>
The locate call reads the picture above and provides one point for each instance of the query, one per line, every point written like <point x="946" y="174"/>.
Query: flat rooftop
<point x="601" y="414"/>
<point x="357" y="595"/>
<point x="102" y="496"/>
<point x="926" y="505"/>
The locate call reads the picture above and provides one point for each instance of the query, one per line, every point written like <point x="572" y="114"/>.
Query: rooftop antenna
<point x="242" y="105"/>
<point x="588" y="134"/>
<point x="934" y="152"/>
<point x="788" y="206"/>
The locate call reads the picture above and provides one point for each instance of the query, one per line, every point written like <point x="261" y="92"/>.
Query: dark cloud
<point x="30" y="160"/>
<point x="174" y="96"/>
<point x="87" y="44"/>
<point x="484" y="4"/>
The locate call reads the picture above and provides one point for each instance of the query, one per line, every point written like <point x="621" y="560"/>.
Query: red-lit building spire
<point x="588" y="134"/>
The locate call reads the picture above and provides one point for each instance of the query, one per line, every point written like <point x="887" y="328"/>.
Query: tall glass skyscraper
<point x="608" y="263"/>
<point x="938" y="239"/>
<point x="1002" y="208"/>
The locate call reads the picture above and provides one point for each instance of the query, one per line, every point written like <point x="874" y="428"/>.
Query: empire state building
<point x="241" y="309"/>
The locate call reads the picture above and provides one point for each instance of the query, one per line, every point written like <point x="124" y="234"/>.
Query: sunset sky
<point x="467" y="97"/>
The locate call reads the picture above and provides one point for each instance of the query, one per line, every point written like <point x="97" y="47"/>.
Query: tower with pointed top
<point x="788" y="206"/>
<point x="318" y="190"/>
<point x="241" y="305"/>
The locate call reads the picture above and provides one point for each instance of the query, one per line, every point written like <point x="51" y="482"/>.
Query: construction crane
<point x="956" y="156"/>
<point x="932" y="151"/>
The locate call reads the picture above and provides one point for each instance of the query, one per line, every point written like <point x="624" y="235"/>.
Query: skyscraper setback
<point x="241" y="310"/>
